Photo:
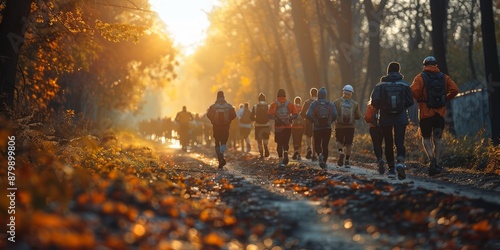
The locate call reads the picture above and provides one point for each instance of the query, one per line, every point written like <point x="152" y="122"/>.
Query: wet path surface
<point x="356" y="208"/>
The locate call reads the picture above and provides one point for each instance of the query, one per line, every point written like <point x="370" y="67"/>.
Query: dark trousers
<point x="297" y="134"/>
<point x="377" y="136"/>
<point x="394" y="135"/>
<point x="321" y="141"/>
<point x="282" y="139"/>
<point x="221" y="134"/>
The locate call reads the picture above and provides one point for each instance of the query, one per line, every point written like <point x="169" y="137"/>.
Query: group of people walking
<point x="386" y="113"/>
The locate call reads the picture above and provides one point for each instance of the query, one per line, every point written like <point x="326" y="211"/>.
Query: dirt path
<point x="352" y="208"/>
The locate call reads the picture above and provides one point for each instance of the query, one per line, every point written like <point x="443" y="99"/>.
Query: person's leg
<point x="389" y="143"/>
<point x="339" y="139"/>
<point x="326" y="134"/>
<point x="437" y="134"/>
<point x="317" y="142"/>
<point x="377" y="138"/>
<point x="426" y="131"/>
<point x="399" y="141"/>
<point x="287" y="133"/>
<point x="296" y="133"/>
<point x="348" y="139"/>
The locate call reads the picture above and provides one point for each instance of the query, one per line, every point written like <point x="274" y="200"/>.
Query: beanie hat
<point x="393" y="67"/>
<point x="262" y="97"/>
<point x="322" y="93"/>
<point x="348" y="88"/>
<point x="220" y="94"/>
<point x="430" y="60"/>
<point x="281" y="93"/>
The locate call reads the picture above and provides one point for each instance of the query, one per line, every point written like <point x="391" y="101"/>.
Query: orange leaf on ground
<point x="214" y="239"/>
<point x="482" y="226"/>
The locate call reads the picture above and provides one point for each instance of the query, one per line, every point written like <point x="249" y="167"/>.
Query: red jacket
<point x="291" y="109"/>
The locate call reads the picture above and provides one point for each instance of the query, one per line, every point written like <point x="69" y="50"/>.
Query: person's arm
<point x="232" y="113"/>
<point x="271" y="113"/>
<point x="417" y="87"/>
<point x="408" y="97"/>
<point x="252" y="114"/>
<point x="210" y="114"/>
<point x="293" y="111"/>
<point x="334" y="112"/>
<point x="305" y="108"/>
<point x="451" y="87"/>
<point x="375" y="97"/>
<point x="357" y="114"/>
<point x="310" y="112"/>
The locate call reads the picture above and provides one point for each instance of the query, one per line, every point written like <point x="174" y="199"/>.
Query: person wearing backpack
<point x="282" y="112"/>
<point x="262" y="125"/>
<point x="392" y="96"/>
<point x="376" y="134"/>
<point x="183" y="119"/>
<point x="322" y="113"/>
<point x="221" y="114"/>
<point x="308" y="129"/>
<point x="297" y="130"/>
<point x="432" y="89"/>
<point x="245" y="125"/>
<point x="348" y="112"/>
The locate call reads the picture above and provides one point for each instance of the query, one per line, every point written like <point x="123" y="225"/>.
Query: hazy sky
<point x="186" y="20"/>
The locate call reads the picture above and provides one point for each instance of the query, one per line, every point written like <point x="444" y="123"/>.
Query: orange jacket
<point x="291" y="109"/>
<point x="370" y="115"/>
<point x="417" y="88"/>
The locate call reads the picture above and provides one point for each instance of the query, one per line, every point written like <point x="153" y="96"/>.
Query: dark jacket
<point x="311" y="112"/>
<point x="211" y="114"/>
<point x="386" y="118"/>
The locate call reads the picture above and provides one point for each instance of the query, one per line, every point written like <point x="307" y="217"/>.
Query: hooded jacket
<point x="420" y="94"/>
<point x="211" y="113"/>
<point x="386" y="118"/>
<point x="311" y="112"/>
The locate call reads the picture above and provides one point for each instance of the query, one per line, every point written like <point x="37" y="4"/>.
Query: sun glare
<point x="186" y="20"/>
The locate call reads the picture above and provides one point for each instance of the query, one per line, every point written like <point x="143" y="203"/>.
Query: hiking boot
<point x="309" y="154"/>
<point x="222" y="162"/>
<point x="433" y="167"/>
<point x="340" y="162"/>
<point x="381" y="168"/>
<point x="400" y="169"/>
<point x="299" y="158"/>
<point x="347" y="165"/>
<point x="281" y="164"/>
<point x="323" y="165"/>
<point x="248" y="148"/>
<point x="295" y="155"/>
<point x="314" y="158"/>
<point x="439" y="169"/>
<point x="285" y="158"/>
<point x="392" y="173"/>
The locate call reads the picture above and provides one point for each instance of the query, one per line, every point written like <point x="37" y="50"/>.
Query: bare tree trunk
<point x="491" y="66"/>
<point x="280" y="50"/>
<point x="12" y="30"/>
<point x="470" y="46"/>
<point x="304" y="43"/>
<point x="374" y="16"/>
<point x="438" y="15"/>
<point x="343" y="17"/>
